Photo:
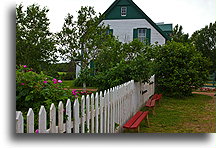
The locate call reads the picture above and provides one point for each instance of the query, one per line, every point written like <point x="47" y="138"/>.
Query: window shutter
<point x="111" y="31"/>
<point x="148" y="35"/>
<point x="135" y="33"/>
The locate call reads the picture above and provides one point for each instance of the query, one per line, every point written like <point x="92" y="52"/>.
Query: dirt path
<point x="206" y="93"/>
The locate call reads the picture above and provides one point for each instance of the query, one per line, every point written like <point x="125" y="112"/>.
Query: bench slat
<point x="133" y="119"/>
<point x="148" y="104"/>
<point x="139" y="120"/>
<point x="152" y="103"/>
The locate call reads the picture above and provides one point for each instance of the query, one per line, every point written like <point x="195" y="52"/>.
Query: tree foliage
<point x="179" y="68"/>
<point x="82" y="39"/>
<point x="179" y="36"/>
<point x="35" y="45"/>
<point x="123" y="63"/>
<point x="204" y="41"/>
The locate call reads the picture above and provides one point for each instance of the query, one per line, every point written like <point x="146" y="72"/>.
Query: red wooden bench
<point x="151" y="105"/>
<point x="157" y="97"/>
<point x="136" y="120"/>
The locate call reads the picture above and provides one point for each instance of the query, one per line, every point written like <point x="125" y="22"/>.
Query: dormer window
<point x="123" y="11"/>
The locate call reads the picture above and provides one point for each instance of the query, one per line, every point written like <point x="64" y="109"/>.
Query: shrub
<point x="137" y="69"/>
<point x="69" y="76"/>
<point x="179" y="68"/>
<point x="34" y="90"/>
<point x="85" y="77"/>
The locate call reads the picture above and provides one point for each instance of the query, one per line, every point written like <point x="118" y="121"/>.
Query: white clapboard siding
<point x="76" y="116"/>
<point x="83" y="114"/>
<point x="30" y="121"/>
<point x="99" y="113"/>
<point x="19" y="122"/>
<point x="68" y="114"/>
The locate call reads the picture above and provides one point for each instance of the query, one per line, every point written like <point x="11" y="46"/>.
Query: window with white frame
<point x="123" y="11"/>
<point x="142" y="34"/>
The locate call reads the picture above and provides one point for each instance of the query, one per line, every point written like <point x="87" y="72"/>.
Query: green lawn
<point x="70" y="84"/>
<point x="195" y="114"/>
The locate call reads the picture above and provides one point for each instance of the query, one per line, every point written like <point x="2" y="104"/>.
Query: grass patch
<point x="70" y="85"/>
<point x="194" y="114"/>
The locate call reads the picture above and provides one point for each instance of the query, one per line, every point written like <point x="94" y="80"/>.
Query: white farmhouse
<point x="128" y="22"/>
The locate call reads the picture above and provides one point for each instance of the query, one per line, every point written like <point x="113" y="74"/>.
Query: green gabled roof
<point x="137" y="14"/>
<point x="165" y="27"/>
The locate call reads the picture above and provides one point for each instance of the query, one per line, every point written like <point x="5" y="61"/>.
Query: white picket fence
<point x="104" y="112"/>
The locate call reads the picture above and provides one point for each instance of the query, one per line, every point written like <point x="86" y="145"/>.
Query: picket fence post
<point x="53" y="119"/>
<point x="19" y="122"/>
<point x="60" y="117"/>
<point x="76" y="116"/>
<point x="96" y="113"/>
<point x="42" y="120"/>
<point x="83" y="114"/>
<point x="105" y="112"/>
<point x="101" y="112"/>
<point x="115" y="106"/>
<point x="30" y="121"/>
<point x="92" y="113"/>
<point x="68" y="115"/>
<point x="88" y="113"/>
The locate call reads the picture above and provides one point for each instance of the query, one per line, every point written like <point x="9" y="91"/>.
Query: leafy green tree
<point x="35" y="45"/>
<point x="81" y="40"/>
<point x="111" y="54"/>
<point x="179" y="36"/>
<point x="179" y="68"/>
<point x="204" y="41"/>
<point x="124" y="63"/>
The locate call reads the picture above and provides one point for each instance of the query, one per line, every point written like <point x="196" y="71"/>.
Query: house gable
<point x="114" y="12"/>
<point x="133" y="12"/>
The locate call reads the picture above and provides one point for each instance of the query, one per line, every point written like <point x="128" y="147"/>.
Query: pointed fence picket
<point x="96" y="113"/>
<point x="53" y="119"/>
<point x="92" y="113"/>
<point x="88" y="113"/>
<point x="104" y="112"/>
<point x="76" y="116"/>
<point x="68" y="115"/>
<point x="101" y="111"/>
<point x="83" y="114"/>
<point x="19" y="122"/>
<point x="30" y="121"/>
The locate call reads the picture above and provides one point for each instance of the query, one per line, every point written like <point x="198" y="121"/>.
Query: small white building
<point x="128" y="22"/>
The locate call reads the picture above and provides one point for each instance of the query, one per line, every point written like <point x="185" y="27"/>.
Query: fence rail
<point x="104" y="112"/>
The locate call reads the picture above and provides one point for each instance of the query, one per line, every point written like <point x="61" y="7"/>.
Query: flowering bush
<point x="34" y="90"/>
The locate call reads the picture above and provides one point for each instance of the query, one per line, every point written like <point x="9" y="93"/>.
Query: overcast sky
<point x="191" y="14"/>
